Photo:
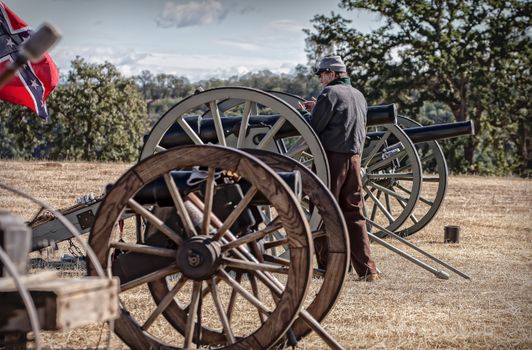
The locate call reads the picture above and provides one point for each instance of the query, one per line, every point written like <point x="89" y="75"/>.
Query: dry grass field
<point x="409" y="308"/>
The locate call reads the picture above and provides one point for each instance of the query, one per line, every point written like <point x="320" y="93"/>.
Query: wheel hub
<point x="199" y="257"/>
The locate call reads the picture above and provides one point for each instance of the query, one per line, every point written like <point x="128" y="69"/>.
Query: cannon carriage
<point x="248" y="226"/>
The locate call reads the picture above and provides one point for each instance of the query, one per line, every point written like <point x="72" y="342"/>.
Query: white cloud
<point x="242" y="45"/>
<point x="194" y="67"/>
<point x="192" y="13"/>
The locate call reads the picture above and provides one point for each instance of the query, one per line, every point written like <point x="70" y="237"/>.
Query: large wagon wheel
<point x="176" y="263"/>
<point x="391" y="178"/>
<point x="435" y="173"/>
<point x="244" y="133"/>
<point x="332" y="234"/>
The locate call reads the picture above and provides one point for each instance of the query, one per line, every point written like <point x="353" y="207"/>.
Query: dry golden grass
<point x="409" y="308"/>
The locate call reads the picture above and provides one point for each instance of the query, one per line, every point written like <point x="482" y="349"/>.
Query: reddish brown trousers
<point x="346" y="187"/>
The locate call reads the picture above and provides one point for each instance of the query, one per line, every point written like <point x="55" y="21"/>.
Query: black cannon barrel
<point x="156" y="192"/>
<point x="431" y="132"/>
<point x="440" y="131"/>
<point x="204" y="127"/>
<point x="382" y="114"/>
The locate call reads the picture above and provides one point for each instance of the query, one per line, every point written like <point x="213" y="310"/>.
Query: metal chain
<point x="74" y="249"/>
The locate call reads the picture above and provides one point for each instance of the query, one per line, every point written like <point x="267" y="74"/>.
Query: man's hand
<point x="308" y="105"/>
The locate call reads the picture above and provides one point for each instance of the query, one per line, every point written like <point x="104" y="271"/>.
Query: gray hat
<point x="331" y="63"/>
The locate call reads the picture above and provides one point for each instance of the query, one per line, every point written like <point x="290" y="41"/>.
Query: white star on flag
<point x="34" y="84"/>
<point x="10" y="42"/>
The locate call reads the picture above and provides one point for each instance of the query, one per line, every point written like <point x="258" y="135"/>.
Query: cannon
<point x="393" y="172"/>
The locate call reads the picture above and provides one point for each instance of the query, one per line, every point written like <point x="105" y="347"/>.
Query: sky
<point x="198" y="39"/>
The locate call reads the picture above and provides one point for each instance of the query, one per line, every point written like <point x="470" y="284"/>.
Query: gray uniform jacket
<point x="339" y="119"/>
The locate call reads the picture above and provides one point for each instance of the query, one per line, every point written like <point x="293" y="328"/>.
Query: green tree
<point x="97" y="114"/>
<point x="472" y="55"/>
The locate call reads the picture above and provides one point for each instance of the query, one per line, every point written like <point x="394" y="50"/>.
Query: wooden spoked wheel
<point x="194" y="266"/>
<point x="329" y="233"/>
<point x="435" y="174"/>
<point x="239" y="125"/>
<point x="392" y="179"/>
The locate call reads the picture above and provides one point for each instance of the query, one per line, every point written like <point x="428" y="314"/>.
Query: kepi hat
<point x="331" y="64"/>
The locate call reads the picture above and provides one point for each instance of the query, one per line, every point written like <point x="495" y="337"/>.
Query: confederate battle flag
<point x="34" y="81"/>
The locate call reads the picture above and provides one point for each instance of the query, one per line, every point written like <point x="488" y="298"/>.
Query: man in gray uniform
<point x="338" y="117"/>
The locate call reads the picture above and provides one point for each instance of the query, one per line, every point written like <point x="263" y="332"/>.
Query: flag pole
<point x="32" y="49"/>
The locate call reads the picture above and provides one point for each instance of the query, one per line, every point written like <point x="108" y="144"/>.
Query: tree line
<point x="471" y="56"/>
<point x="438" y="60"/>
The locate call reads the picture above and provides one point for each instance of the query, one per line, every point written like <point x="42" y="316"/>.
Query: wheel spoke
<point x="276" y="243"/>
<point x="434" y="179"/>
<point x="387" y="190"/>
<point x="271" y="133"/>
<point x="144" y="249"/>
<point x="272" y="283"/>
<point x="247" y="295"/>
<point x="366" y="196"/>
<point x="319" y="233"/>
<point x="255" y="236"/>
<point x="159" y="149"/>
<point x="241" y="206"/>
<point x="428" y="156"/>
<point x="150" y="277"/>
<point x="381" y="207"/>
<point x="387" y="201"/>
<point x="191" y="133"/>
<point x="426" y="201"/>
<point x="421" y="198"/>
<point x="221" y="313"/>
<point x="209" y="193"/>
<point x="179" y="205"/>
<point x="374" y="210"/>
<point x="402" y="188"/>
<point x="255" y="290"/>
<point x="244" y="124"/>
<point x="276" y="260"/>
<point x="395" y="175"/>
<point x="215" y="113"/>
<point x="412" y="217"/>
<point x="193" y="309"/>
<point x="376" y="148"/>
<point x="232" y="299"/>
<point x="163" y="304"/>
<point x="252" y="266"/>
<point x="155" y="221"/>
